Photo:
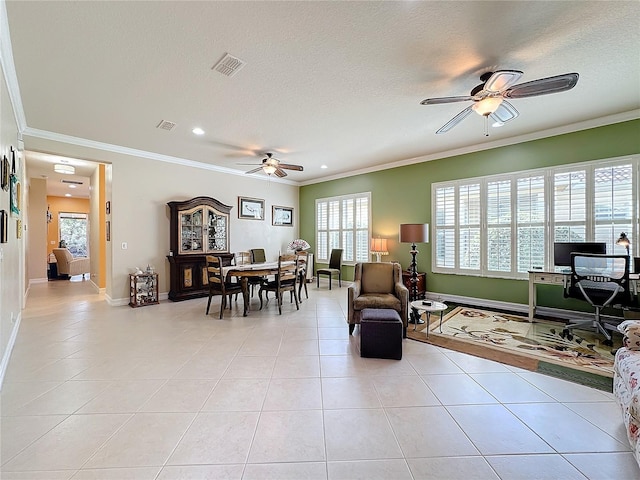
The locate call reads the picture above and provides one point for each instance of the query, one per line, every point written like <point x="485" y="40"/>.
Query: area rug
<point x="513" y="340"/>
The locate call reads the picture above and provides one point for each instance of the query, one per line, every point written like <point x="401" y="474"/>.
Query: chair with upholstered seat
<point x="285" y="281"/>
<point x="334" y="268"/>
<point x="218" y="285"/>
<point x="601" y="280"/>
<point x="377" y="285"/>
<point x="70" y="266"/>
<point x="257" y="255"/>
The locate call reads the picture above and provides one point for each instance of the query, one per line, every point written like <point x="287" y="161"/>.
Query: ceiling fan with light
<point x="489" y="98"/>
<point x="273" y="166"/>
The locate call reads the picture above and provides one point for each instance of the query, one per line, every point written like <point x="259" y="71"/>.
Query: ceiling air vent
<point x="229" y="65"/>
<point x="166" y="125"/>
<point x="72" y="182"/>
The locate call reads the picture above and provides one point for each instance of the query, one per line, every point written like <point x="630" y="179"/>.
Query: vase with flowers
<point x="298" y="245"/>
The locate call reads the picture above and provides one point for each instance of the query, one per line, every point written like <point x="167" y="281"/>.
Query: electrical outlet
<point x="124" y="245"/>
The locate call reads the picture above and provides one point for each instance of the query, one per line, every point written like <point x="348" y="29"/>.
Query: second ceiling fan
<point x="273" y="166"/>
<point x="489" y="98"/>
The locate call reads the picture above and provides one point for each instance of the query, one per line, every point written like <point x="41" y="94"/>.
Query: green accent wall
<point x="403" y="195"/>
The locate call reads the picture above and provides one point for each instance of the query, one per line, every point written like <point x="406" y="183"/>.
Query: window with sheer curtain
<point x="505" y="225"/>
<point x="343" y="222"/>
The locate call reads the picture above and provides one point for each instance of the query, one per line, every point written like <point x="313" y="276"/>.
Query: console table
<point x="538" y="277"/>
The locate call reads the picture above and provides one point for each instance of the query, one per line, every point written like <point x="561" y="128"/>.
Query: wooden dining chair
<point x="218" y="285"/>
<point x="303" y="266"/>
<point x="257" y="256"/>
<point x="286" y="281"/>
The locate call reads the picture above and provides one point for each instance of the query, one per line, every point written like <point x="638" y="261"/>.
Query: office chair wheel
<point x="566" y="333"/>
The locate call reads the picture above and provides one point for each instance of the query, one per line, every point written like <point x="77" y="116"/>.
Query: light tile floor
<point x="165" y="392"/>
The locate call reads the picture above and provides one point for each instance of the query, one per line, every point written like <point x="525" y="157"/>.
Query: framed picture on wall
<point x="6" y="171"/>
<point x="15" y="195"/>
<point x="282" y="216"/>
<point x="108" y="230"/>
<point x="250" y="208"/>
<point x="4" y="226"/>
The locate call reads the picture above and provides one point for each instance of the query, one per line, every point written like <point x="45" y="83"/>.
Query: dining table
<point x="243" y="272"/>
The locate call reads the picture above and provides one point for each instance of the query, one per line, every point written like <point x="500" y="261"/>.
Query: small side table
<point x="143" y="289"/>
<point x="418" y="306"/>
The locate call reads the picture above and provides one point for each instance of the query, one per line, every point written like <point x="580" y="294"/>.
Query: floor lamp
<point x="414" y="233"/>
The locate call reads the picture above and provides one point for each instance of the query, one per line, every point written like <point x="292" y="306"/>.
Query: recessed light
<point x="73" y="186"/>
<point x="323" y="166"/>
<point x="67" y="194"/>
<point x="198" y="131"/>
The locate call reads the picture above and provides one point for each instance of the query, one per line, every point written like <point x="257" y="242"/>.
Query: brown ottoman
<point x="380" y="333"/>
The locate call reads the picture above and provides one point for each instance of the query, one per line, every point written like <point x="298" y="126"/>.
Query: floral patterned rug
<point x="514" y="340"/>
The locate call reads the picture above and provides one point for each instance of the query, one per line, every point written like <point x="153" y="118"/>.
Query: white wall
<point x="139" y="191"/>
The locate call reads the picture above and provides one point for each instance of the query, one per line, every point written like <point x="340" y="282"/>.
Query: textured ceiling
<point x="333" y="83"/>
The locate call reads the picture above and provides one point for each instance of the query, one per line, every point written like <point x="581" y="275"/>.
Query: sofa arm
<point x="631" y="331"/>
<point x="402" y="292"/>
<point x="353" y="292"/>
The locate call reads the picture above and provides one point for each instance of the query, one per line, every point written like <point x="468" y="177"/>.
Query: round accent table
<point x="428" y="306"/>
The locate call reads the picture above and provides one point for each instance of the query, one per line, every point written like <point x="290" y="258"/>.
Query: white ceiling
<point x="333" y="83"/>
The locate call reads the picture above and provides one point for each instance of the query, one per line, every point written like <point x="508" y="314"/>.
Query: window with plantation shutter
<point x="343" y="222"/>
<point x="530" y="222"/>
<point x="506" y="225"/>
<point x="469" y="226"/>
<point x="445" y="228"/>
<point x="499" y="226"/>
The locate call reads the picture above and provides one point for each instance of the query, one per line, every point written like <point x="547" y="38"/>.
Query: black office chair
<point x="601" y="280"/>
<point x="335" y="268"/>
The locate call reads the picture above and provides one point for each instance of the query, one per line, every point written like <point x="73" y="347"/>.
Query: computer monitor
<point x="562" y="251"/>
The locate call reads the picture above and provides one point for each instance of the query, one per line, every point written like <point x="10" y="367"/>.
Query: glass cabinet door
<point x="191" y="231"/>
<point x="217" y="231"/>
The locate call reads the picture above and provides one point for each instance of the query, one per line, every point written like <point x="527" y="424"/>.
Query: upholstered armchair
<point x="377" y="285"/>
<point x="67" y="265"/>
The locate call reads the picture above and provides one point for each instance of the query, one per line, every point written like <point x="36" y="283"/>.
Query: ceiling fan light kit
<point x="489" y="97"/>
<point x="273" y="166"/>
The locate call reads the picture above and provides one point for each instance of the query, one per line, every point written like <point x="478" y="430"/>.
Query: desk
<point x="243" y="272"/>
<point x="538" y="277"/>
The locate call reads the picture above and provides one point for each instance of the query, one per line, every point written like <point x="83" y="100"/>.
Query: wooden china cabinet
<point x="199" y="227"/>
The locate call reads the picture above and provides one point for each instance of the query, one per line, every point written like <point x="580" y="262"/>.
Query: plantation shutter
<point x="499" y="226"/>
<point x="530" y="223"/>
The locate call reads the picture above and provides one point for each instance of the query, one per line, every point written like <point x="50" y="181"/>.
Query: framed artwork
<point x="108" y="230"/>
<point x="282" y="216"/>
<point x="19" y="228"/>
<point x="5" y="173"/>
<point x="4" y="226"/>
<point x="108" y="207"/>
<point x="15" y="195"/>
<point x="251" y="208"/>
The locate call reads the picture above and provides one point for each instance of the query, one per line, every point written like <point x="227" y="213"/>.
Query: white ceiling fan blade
<point x="440" y="100"/>
<point x="455" y="120"/>
<point x="504" y="113"/>
<point x="543" y="86"/>
<point x="501" y="80"/>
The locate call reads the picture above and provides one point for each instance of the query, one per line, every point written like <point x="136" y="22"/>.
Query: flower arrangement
<point x="298" y="244"/>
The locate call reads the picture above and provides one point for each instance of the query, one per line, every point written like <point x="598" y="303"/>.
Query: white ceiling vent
<point x="72" y="182"/>
<point x="166" y="125"/>
<point x="229" y="65"/>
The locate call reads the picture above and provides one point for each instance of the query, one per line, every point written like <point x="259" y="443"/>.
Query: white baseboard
<point x="119" y="302"/>
<point x="515" y="307"/>
<point x="7" y="352"/>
